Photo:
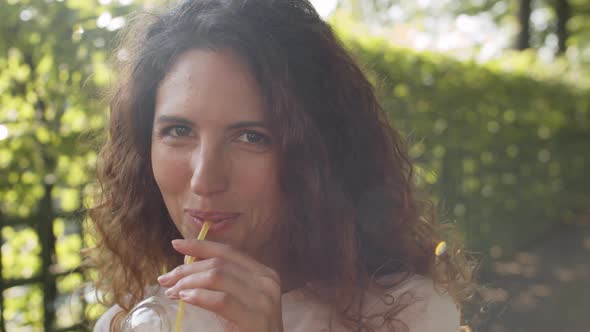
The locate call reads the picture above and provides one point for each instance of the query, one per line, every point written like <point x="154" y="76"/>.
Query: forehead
<point x="217" y="83"/>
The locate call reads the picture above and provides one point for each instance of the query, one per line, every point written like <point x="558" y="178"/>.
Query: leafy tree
<point x="524" y="17"/>
<point x="558" y="24"/>
<point x="52" y="69"/>
<point x="563" y="12"/>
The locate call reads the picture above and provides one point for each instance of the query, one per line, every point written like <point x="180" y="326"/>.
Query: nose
<point x="209" y="170"/>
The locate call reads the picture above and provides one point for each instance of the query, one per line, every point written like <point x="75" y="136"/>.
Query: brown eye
<point x="177" y="131"/>
<point x="254" y="138"/>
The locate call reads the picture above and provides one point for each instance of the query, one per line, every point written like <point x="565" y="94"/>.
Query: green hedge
<point x="506" y="156"/>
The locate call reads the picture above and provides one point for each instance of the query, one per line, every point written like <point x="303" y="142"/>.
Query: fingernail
<point x="164" y="278"/>
<point x="171" y="292"/>
<point x="177" y="243"/>
<point x="184" y="294"/>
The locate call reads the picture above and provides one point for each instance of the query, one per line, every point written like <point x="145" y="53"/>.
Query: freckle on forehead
<point x="189" y="78"/>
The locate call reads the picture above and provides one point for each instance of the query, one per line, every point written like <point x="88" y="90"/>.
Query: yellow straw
<point x="190" y="259"/>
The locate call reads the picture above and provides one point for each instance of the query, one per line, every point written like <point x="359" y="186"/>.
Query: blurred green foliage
<point x="53" y="71"/>
<point x="505" y="155"/>
<point x="503" y="152"/>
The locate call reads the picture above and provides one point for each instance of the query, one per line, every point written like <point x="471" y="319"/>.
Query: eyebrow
<point x="243" y="124"/>
<point x="173" y="119"/>
<point x="237" y="125"/>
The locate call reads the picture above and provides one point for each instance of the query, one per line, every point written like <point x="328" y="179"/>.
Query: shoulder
<point x="423" y="305"/>
<point x="104" y="322"/>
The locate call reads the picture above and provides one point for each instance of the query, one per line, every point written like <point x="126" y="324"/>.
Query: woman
<point x="251" y="115"/>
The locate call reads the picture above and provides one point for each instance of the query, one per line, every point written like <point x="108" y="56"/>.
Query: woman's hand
<point x="227" y="283"/>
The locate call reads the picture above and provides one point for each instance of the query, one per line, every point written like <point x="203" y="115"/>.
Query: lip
<point x="220" y="220"/>
<point x="213" y="216"/>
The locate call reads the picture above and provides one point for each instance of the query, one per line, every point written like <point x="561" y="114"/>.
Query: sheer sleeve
<point x="104" y="322"/>
<point x="426" y="307"/>
<point x="434" y="310"/>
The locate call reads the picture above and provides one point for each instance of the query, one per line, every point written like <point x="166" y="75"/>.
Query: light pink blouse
<point x="429" y="309"/>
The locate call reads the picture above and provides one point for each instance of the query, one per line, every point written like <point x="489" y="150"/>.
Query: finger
<point x="220" y="275"/>
<point x="224" y="280"/>
<point x="207" y="249"/>
<point x="181" y="271"/>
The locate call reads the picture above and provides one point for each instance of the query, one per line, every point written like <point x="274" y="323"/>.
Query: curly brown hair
<point x="353" y="213"/>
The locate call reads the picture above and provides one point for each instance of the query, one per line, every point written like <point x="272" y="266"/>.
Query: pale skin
<point x="213" y="151"/>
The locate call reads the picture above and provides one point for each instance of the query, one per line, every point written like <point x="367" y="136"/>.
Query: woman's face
<point x="213" y="155"/>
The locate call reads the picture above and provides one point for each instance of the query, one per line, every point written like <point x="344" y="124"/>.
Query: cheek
<point x="171" y="170"/>
<point x="259" y="172"/>
<point x="258" y="184"/>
